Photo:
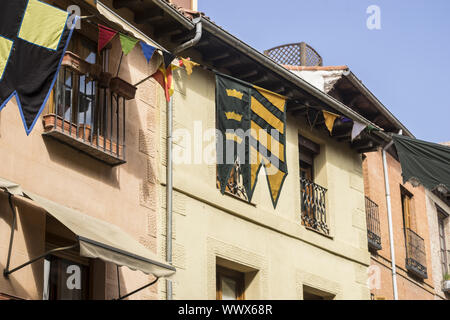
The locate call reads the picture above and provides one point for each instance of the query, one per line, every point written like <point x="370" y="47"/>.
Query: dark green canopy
<point x="427" y="162"/>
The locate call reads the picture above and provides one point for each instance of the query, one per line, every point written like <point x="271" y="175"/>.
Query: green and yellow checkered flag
<point x="252" y="122"/>
<point x="33" y="38"/>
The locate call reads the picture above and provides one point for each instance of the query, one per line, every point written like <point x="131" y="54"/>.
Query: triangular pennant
<point x="189" y="65"/>
<point x="105" y="35"/>
<point x="275" y="179"/>
<point x="128" y="43"/>
<point x="148" y="51"/>
<point x="330" y="118"/>
<point x="358" y="127"/>
<point x="345" y="119"/>
<point x="165" y="78"/>
<point x="312" y="115"/>
<point x="371" y="128"/>
<point x="168" y="58"/>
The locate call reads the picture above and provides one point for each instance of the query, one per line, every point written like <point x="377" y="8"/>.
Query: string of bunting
<point x="164" y="76"/>
<point x="330" y="118"/>
<point x="312" y="114"/>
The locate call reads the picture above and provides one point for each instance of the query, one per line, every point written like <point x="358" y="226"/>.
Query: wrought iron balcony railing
<point x="415" y="254"/>
<point x="313" y="205"/>
<point x="373" y="225"/>
<point x="235" y="184"/>
<point x="88" y="116"/>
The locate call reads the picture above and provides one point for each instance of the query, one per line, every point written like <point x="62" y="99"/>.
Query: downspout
<point x="169" y="169"/>
<point x="389" y="212"/>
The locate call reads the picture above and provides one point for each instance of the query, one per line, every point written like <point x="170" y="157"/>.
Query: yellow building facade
<point x="277" y="256"/>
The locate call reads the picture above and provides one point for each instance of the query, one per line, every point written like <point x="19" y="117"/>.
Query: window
<point x="87" y="106"/>
<point x="67" y="275"/>
<point x="373" y="225"/>
<point x="406" y="208"/>
<point x="415" y="245"/>
<point x="313" y="205"/>
<point x="308" y="150"/>
<point x="65" y="279"/>
<point x="78" y="90"/>
<point x="235" y="185"/>
<point x="310" y="293"/>
<point x="230" y="284"/>
<point x="442" y="216"/>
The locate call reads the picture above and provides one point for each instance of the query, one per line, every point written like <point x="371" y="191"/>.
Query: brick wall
<point x="408" y="286"/>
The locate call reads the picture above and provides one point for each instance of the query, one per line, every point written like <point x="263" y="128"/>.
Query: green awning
<point x="426" y="162"/>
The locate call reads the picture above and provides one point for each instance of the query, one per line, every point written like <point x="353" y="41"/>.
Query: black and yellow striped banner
<point x="252" y="121"/>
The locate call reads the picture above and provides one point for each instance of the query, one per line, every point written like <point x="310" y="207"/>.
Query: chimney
<point x="187" y="4"/>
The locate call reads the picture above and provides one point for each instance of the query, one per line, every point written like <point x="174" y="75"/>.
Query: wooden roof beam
<point x="211" y="57"/>
<point x="166" y="29"/>
<point x="149" y="16"/>
<point x="119" y="4"/>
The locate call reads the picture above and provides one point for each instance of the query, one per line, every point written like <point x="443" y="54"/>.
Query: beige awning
<point x="10" y="187"/>
<point x="102" y="240"/>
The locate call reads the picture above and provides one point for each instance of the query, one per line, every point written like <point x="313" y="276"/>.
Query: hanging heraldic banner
<point x="252" y="123"/>
<point x="33" y="39"/>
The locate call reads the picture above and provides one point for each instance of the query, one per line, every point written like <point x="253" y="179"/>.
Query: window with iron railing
<point x="312" y="195"/>
<point x="415" y="254"/>
<point x="415" y="245"/>
<point x="314" y="214"/>
<point x="87" y="106"/>
<point x="235" y="186"/>
<point x="373" y="225"/>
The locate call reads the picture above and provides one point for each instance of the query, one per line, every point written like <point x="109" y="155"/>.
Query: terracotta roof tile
<point x="188" y="13"/>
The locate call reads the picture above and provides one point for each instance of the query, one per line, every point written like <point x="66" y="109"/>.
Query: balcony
<point x="415" y="254"/>
<point x="235" y="185"/>
<point x="87" y="111"/>
<point x="313" y="206"/>
<point x="373" y="225"/>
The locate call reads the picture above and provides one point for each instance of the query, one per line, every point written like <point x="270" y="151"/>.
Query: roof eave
<point x="288" y="75"/>
<point x="377" y="103"/>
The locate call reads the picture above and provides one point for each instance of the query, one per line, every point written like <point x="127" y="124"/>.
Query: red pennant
<point x="105" y="35"/>
<point x="165" y="78"/>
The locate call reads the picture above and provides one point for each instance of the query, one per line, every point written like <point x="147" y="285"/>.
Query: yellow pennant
<point x="330" y="118"/>
<point x="189" y="65"/>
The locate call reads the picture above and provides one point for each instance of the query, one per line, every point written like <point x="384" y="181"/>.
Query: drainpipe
<point x="389" y="212"/>
<point x="169" y="170"/>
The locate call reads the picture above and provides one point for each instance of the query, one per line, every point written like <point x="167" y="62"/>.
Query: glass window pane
<point x="68" y="280"/>
<point x="45" y="295"/>
<point x="229" y="289"/>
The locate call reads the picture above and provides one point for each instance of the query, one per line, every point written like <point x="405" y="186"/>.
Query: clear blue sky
<point x="406" y="64"/>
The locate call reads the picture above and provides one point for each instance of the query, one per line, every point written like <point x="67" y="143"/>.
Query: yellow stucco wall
<point x="282" y="254"/>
